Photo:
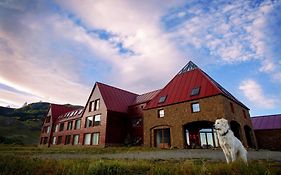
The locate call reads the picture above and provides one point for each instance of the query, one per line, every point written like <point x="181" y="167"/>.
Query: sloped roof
<point x="71" y="114"/>
<point x="116" y="99"/>
<point x="57" y="110"/>
<point x="267" y="122"/>
<point x="145" y="97"/>
<point x="180" y="87"/>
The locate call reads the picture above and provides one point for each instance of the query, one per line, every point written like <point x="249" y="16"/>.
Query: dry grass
<point x="26" y="165"/>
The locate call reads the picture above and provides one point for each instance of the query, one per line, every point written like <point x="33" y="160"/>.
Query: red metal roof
<point x="145" y="97"/>
<point x="58" y="110"/>
<point x="267" y="122"/>
<point x="116" y="99"/>
<point x="71" y="114"/>
<point x="180" y="87"/>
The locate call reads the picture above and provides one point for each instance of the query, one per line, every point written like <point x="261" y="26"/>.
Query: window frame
<point x="195" y="91"/>
<point x="69" y="125"/>
<point x="98" y="122"/>
<point x="193" y="107"/>
<point x="75" y="126"/>
<point x="159" y="114"/>
<point x="93" y="138"/>
<point x="90" y="122"/>
<point x="162" y="99"/>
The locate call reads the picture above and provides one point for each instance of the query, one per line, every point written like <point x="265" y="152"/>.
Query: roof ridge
<point x="117" y="88"/>
<point x="271" y="115"/>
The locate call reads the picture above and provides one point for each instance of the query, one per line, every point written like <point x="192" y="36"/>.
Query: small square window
<point x="162" y="99"/>
<point x="195" y="91"/>
<point x="195" y="107"/>
<point x="161" y="113"/>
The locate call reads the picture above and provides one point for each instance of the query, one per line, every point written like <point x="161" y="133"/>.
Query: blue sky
<point x="56" y="50"/>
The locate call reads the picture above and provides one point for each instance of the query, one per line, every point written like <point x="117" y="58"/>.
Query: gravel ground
<point x="166" y="154"/>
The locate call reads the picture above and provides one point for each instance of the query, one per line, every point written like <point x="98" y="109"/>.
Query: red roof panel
<point x="145" y="97"/>
<point x="180" y="87"/>
<point x="116" y="99"/>
<point x="58" y="110"/>
<point x="267" y="122"/>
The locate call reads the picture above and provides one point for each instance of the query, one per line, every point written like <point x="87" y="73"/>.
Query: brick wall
<point x="269" y="139"/>
<point x="177" y="115"/>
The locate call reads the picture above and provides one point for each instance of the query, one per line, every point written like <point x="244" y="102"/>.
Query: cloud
<point x="254" y="93"/>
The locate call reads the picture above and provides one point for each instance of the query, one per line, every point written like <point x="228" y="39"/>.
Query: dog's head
<point x="221" y="125"/>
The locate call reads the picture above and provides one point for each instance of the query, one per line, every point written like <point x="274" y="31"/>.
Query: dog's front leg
<point x="233" y="155"/>
<point x="226" y="154"/>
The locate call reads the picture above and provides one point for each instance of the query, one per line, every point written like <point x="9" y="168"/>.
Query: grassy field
<point x="19" y="160"/>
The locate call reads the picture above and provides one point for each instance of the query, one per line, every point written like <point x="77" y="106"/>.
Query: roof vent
<point x="188" y="67"/>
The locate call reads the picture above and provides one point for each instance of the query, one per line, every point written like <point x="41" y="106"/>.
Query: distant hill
<point x="22" y="125"/>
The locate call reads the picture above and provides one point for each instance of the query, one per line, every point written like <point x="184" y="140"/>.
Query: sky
<point x="55" y="50"/>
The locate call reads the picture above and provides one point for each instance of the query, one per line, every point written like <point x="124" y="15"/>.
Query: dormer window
<point x="162" y="99"/>
<point x="195" y="91"/>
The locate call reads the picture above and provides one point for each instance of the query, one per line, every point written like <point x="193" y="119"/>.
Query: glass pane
<point x="203" y="139"/>
<point x="206" y="130"/>
<point x="54" y="140"/>
<point x="210" y="139"/>
<point x="158" y="136"/>
<point x="87" y="139"/>
<point x="96" y="138"/>
<point x="187" y="137"/>
<point x="195" y="107"/>
<point x="161" y="113"/>
<point x="216" y="139"/>
<point x="166" y="136"/>
<point x="97" y="104"/>
<point x="162" y="99"/>
<point x="97" y="118"/>
<point x="75" y="139"/>
<point x="77" y="124"/>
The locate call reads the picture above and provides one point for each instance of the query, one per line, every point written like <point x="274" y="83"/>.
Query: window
<point x="162" y="99"/>
<point x="136" y="122"/>
<point x="97" y="120"/>
<point x="195" y="91"/>
<point x="59" y="140"/>
<point x="97" y="104"/>
<point x="69" y="125"/>
<point x="208" y="138"/>
<point x="244" y="114"/>
<point x="61" y="126"/>
<point x="48" y="129"/>
<point x="48" y="119"/>
<point x="94" y="105"/>
<point x="77" y="124"/>
<point x="161" y="113"/>
<point x="54" y="139"/>
<point x="89" y="122"/>
<point x="87" y="139"/>
<point x="195" y="107"/>
<point x="57" y="128"/>
<point x="67" y="139"/>
<point x="45" y="140"/>
<point x="75" y="139"/>
<point x="162" y="138"/>
<point x="232" y="107"/>
<point x="96" y="138"/>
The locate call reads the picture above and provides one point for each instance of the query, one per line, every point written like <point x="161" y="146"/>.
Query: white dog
<point x="231" y="146"/>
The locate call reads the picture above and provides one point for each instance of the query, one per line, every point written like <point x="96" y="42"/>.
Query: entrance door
<point x="194" y="138"/>
<point x="162" y="138"/>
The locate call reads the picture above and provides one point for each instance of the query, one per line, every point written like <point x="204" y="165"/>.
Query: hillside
<point x="22" y="125"/>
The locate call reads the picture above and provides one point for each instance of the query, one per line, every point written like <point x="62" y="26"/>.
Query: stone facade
<point x="178" y="115"/>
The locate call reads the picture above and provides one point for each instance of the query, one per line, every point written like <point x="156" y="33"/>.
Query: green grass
<point x="27" y="165"/>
